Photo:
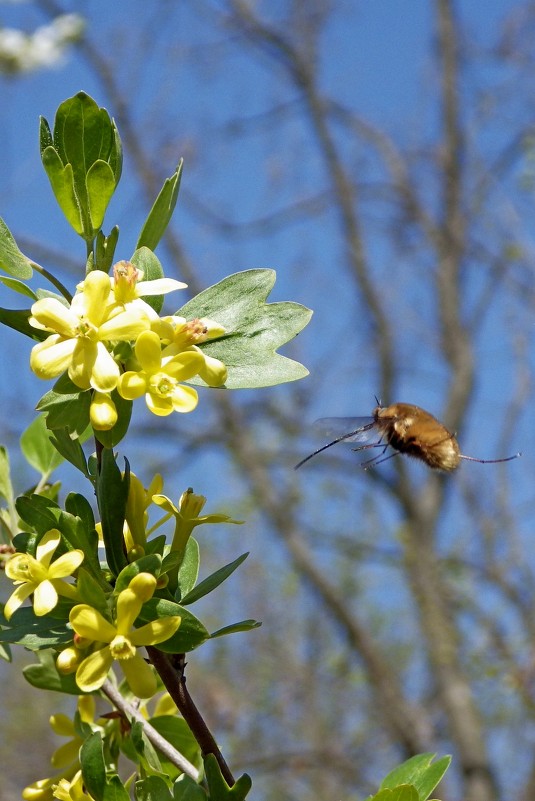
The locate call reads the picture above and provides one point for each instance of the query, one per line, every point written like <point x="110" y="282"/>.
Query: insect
<point x="408" y="429"/>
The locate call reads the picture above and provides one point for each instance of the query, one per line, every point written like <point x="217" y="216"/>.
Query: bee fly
<point x="408" y="429"/>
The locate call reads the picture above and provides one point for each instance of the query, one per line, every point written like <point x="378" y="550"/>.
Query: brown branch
<point x="171" y="671"/>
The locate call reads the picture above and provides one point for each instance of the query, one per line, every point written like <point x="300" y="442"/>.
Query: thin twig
<point x="159" y="742"/>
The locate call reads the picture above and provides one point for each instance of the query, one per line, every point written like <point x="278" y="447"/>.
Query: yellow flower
<point x="128" y="285"/>
<point x="122" y="639"/>
<point x="186" y="335"/>
<point x="72" y="790"/>
<point x="138" y="501"/>
<point x="187" y="516"/>
<point x="159" y="380"/>
<point x="45" y="789"/>
<point x="42" y="576"/>
<point x="63" y="726"/>
<point x="65" y="785"/>
<point x="81" y="332"/>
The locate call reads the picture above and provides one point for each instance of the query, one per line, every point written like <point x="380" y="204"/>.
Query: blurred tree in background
<point x="382" y="162"/>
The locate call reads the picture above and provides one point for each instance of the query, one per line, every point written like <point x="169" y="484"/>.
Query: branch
<point x="171" y="671"/>
<point x="159" y="742"/>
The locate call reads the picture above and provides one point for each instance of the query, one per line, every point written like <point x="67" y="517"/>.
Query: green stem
<point x="54" y="281"/>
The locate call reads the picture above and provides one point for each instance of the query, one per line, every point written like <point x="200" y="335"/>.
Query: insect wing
<point x="347" y="429"/>
<point x="343" y="429"/>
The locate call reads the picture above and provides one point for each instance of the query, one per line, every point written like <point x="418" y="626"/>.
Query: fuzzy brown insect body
<point x="406" y="428"/>
<point x="413" y="431"/>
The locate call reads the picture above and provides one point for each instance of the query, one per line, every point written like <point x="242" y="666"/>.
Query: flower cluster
<point x="109" y="339"/>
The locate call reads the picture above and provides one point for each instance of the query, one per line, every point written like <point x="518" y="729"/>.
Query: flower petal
<point x="160" y="286"/>
<point x="184" y="399"/>
<point x="128" y="608"/>
<point x="45" y="598"/>
<point x="166" y="504"/>
<point x="105" y="373"/>
<point x="140" y="676"/>
<point x="185" y="365"/>
<point x="94" y="669"/>
<point x="17" y="598"/>
<point x="89" y="623"/>
<point x="214" y="372"/>
<point x="148" y="351"/>
<point x="50" y="358"/>
<point x="51" y="314"/>
<point x="127" y="325"/>
<point x="132" y="385"/>
<point x="156" y="631"/>
<point x="66" y="564"/>
<point x="159" y="406"/>
<point x="83" y="358"/>
<point x="47" y="545"/>
<point x="102" y="412"/>
<point x="66" y="754"/>
<point x="96" y="296"/>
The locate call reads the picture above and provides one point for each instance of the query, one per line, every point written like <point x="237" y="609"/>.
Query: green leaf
<point x="45" y="676"/>
<point x="419" y="771"/>
<point x="153" y="788"/>
<point x="188" y="569"/>
<point x="67" y="406"/>
<point x="218" y="788"/>
<point x="112" y="492"/>
<point x="100" y="183"/>
<point x="161" y="212"/>
<point x="70" y="449"/>
<point x="62" y="182"/>
<point x="177" y="732"/>
<point x="243" y="625"/>
<point x="37" y="448"/>
<point x="214" y="580"/>
<point x="185" y="789"/>
<point x="404" y="792"/>
<point x="191" y="632"/>
<point x="150" y="563"/>
<point x="18" y="286"/>
<point x="91" y="592"/>
<point x="38" y="512"/>
<point x="17" y="319"/>
<point x="33" y="632"/>
<point x="5" y="653"/>
<point x="93" y="766"/>
<point x="157" y="545"/>
<point x="6" y="487"/>
<point x="115" y="790"/>
<point x="146" y="261"/>
<point x="254" y="329"/>
<point x="12" y="260"/>
<point x="83" y="161"/>
<point x="77" y="526"/>
<point x="145" y="753"/>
